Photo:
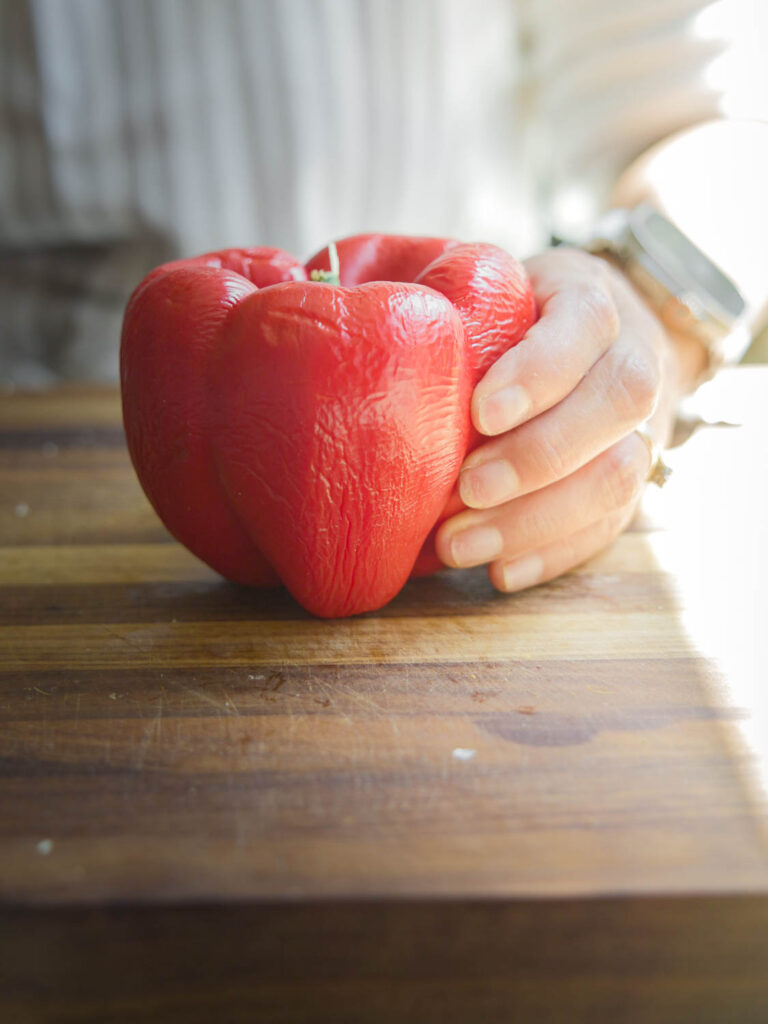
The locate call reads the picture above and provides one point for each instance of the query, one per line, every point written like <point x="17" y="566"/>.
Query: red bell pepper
<point x="292" y="430"/>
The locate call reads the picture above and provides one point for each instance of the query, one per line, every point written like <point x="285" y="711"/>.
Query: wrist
<point x="700" y="308"/>
<point x="692" y="363"/>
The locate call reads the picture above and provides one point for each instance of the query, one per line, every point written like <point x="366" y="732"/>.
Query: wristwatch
<point x="686" y="290"/>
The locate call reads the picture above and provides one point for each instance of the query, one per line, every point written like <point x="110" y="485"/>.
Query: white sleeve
<point x="608" y="80"/>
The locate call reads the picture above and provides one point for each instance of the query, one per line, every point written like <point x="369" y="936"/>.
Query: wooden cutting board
<point x="465" y="807"/>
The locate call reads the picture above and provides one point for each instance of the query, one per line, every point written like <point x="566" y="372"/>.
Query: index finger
<point x="579" y="322"/>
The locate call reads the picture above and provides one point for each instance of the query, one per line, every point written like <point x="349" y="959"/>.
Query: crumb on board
<point x="463" y="753"/>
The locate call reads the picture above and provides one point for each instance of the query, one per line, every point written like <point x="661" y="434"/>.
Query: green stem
<point x="332" y="276"/>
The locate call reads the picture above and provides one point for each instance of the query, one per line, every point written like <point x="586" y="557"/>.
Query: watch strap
<point x="686" y="290"/>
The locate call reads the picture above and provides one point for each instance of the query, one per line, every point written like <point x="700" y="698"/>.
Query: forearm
<point x="608" y="83"/>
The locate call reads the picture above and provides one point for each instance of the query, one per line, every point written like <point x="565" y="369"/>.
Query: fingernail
<point x="488" y="484"/>
<point x="475" y="546"/>
<point x="525" y="572"/>
<point x="504" y="409"/>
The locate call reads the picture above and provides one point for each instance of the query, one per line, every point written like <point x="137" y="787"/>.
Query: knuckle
<point x="597" y="310"/>
<point x="596" y="267"/>
<point x="638" y="381"/>
<point x="623" y="476"/>
<point x="547" y="460"/>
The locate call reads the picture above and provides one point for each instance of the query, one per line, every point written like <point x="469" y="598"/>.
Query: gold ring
<point x="659" y="471"/>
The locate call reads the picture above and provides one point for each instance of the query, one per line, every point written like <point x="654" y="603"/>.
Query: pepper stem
<point x="332" y="276"/>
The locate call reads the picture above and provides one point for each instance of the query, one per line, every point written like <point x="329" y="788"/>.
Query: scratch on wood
<point x="229" y="703"/>
<point x="203" y="696"/>
<point x="360" y="698"/>
<point x="152" y="731"/>
<point x="275" y="681"/>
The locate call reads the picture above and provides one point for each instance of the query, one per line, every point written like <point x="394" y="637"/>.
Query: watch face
<point x="686" y="264"/>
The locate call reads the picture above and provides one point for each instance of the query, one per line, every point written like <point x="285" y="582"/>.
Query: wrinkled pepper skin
<point x="298" y="432"/>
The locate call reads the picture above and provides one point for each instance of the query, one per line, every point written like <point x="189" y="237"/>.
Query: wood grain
<point x="166" y="561"/>
<point x="472" y="639"/>
<point x="464" y="807"/>
<point x="664" y="960"/>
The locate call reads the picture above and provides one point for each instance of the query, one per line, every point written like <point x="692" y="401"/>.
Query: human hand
<point x="565" y="470"/>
